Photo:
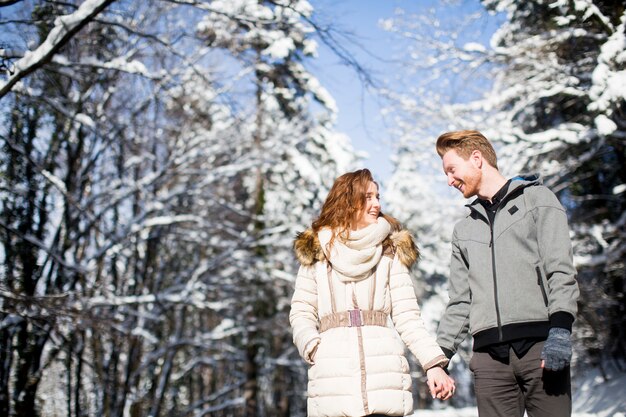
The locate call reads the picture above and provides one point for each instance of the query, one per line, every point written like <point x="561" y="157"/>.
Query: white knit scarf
<point x="354" y="258"/>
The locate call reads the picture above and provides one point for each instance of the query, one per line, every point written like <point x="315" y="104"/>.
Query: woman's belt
<point x="353" y="318"/>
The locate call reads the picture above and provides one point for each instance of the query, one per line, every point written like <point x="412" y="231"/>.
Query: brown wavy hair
<point x="344" y="203"/>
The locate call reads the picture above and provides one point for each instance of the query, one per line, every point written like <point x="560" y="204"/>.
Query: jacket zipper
<point x="540" y="283"/>
<point x="495" y="280"/>
<point x="492" y="245"/>
<point x="494" y="274"/>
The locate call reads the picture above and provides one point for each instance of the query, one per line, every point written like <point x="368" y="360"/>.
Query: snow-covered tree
<point x="430" y="82"/>
<point x="560" y="102"/>
<point x="548" y="89"/>
<point x="156" y="165"/>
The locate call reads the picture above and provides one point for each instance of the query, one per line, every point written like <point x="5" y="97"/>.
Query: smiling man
<point x="512" y="284"/>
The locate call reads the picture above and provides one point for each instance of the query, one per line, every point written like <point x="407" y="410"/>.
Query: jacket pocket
<point x="542" y="286"/>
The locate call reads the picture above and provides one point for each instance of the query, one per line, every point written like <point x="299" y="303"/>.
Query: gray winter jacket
<point x="513" y="279"/>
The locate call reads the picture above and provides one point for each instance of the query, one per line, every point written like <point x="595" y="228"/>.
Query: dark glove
<point x="557" y="351"/>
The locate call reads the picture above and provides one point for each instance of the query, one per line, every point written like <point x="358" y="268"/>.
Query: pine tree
<point x="548" y="90"/>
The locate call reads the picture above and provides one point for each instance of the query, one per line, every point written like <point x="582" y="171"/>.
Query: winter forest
<point x="159" y="156"/>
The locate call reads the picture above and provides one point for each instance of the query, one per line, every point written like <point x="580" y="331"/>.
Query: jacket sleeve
<point x="407" y="318"/>
<point x="303" y="315"/>
<point x="454" y="324"/>
<point x="555" y="249"/>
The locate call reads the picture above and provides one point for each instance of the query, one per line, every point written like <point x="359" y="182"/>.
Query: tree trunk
<point x="251" y="370"/>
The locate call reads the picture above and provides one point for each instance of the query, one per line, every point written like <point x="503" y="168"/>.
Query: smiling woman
<point x="350" y="204"/>
<point x="354" y="277"/>
<point x="371" y="210"/>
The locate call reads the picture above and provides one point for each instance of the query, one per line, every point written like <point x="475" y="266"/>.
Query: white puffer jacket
<point x="359" y="370"/>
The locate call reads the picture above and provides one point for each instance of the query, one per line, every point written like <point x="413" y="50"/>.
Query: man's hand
<point x="440" y="384"/>
<point x="557" y="351"/>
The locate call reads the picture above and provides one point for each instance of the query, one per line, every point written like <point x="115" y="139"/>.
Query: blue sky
<point x="359" y="112"/>
<point x="359" y="109"/>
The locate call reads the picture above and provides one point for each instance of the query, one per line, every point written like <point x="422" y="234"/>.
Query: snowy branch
<point x="65" y="28"/>
<point x="5" y="3"/>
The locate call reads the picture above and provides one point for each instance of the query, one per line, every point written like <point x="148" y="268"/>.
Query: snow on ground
<point x="602" y="398"/>
<point x="593" y="397"/>
<point x="448" y="412"/>
<point x="472" y="412"/>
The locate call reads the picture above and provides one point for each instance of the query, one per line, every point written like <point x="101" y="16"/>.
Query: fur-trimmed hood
<point x="308" y="249"/>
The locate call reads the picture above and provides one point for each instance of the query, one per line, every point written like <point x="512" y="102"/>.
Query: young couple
<point x="512" y="285"/>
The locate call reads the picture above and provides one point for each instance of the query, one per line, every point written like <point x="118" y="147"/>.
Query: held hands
<point x="440" y="384"/>
<point x="557" y="350"/>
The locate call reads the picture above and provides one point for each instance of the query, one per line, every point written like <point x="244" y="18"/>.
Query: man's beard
<point x="471" y="184"/>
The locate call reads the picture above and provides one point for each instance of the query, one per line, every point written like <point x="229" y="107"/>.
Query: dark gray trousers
<point x="507" y="389"/>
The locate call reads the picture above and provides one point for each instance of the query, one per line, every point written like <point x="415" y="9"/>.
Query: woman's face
<point x="370" y="212"/>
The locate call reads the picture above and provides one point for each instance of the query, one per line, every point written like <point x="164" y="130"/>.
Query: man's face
<point x="463" y="174"/>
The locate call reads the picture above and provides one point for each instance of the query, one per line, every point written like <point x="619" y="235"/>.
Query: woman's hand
<point x="440" y="384"/>
<point x="310" y="350"/>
